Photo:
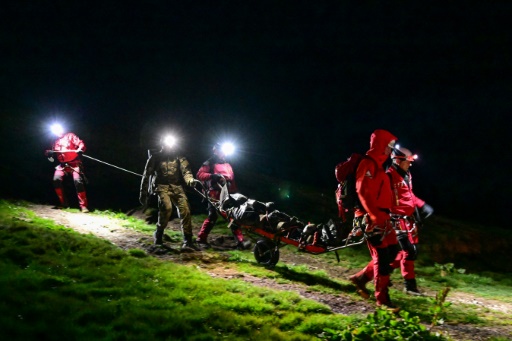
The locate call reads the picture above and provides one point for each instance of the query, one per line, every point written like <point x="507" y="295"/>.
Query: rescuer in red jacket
<point x="214" y="172"/>
<point x="67" y="150"/>
<point x="407" y="214"/>
<point x="406" y="206"/>
<point x="374" y="191"/>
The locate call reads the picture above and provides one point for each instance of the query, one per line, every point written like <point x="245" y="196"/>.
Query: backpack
<point x="346" y="196"/>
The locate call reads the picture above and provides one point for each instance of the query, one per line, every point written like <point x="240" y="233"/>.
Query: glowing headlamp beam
<point x="170" y="141"/>
<point x="227" y="148"/>
<point x="57" y="129"/>
<point x="407" y="158"/>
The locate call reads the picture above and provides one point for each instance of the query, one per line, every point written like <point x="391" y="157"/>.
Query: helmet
<point x="402" y="153"/>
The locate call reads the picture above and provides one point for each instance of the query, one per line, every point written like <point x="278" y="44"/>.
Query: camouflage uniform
<point x="168" y="172"/>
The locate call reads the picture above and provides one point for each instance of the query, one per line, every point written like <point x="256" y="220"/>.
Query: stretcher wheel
<point x="266" y="253"/>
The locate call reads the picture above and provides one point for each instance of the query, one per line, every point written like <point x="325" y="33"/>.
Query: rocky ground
<point x="213" y="263"/>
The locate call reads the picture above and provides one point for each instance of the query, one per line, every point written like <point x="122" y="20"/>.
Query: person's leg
<point x="361" y="278"/>
<point x="382" y="270"/>
<point x="58" y="177"/>
<point x="241" y="243"/>
<point x="206" y="228"/>
<point x="164" y="213"/>
<point x="181" y="201"/>
<point x="407" y="267"/>
<point x="80" y="190"/>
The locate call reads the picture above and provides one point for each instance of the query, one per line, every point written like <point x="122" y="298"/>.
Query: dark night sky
<point x="298" y="84"/>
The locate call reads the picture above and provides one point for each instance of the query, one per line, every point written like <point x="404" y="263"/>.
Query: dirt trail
<point x="213" y="263"/>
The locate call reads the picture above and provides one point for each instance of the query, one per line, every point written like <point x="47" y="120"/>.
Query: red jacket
<point x="68" y="142"/>
<point x="404" y="200"/>
<point x="372" y="183"/>
<point x="217" y="166"/>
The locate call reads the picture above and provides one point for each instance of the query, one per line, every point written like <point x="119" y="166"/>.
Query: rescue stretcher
<point x="274" y="229"/>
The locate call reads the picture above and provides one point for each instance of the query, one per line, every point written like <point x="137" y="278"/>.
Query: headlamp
<point x="227" y="148"/>
<point x="57" y="129"/>
<point x="399" y="154"/>
<point x="169" y="141"/>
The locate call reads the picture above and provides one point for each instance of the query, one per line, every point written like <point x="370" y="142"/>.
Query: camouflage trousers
<point x="169" y="196"/>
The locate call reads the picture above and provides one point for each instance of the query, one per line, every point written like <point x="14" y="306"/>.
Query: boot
<point x="188" y="244"/>
<point x="158" y="236"/>
<point x="411" y="287"/>
<point x="202" y="236"/>
<point x="388" y="305"/>
<point x="241" y="243"/>
<point x="63" y="203"/>
<point x="82" y="201"/>
<point x="360" y="282"/>
<point x="203" y="244"/>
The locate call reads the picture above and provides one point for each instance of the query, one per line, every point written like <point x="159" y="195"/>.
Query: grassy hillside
<point x="58" y="284"/>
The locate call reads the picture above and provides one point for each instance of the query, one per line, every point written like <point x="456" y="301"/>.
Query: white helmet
<point x="402" y="153"/>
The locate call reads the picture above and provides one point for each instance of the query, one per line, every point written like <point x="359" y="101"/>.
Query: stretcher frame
<point x="266" y="249"/>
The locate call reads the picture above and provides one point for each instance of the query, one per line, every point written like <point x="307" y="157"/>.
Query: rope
<point x="108" y="164"/>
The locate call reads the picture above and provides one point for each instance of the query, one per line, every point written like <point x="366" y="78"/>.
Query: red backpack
<point x="346" y="196"/>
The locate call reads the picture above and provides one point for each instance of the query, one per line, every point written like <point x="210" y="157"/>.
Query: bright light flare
<point x="227" y="148"/>
<point x="57" y="129"/>
<point x="170" y="141"/>
<point x="407" y="158"/>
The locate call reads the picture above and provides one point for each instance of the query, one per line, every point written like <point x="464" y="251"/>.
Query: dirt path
<point x="213" y="263"/>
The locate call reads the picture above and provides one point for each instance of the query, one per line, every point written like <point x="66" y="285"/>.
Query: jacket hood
<point x="378" y="142"/>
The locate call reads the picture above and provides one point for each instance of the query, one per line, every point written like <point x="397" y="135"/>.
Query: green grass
<point x="56" y="283"/>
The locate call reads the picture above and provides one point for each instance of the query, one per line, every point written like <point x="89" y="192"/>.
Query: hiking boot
<point x="158" y="237"/>
<point x="189" y="246"/>
<point x="203" y="244"/>
<point x="413" y="292"/>
<point x="360" y="284"/>
<point x="389" y="306"/>
<point x="84" y="209"/>
<point x="243" y="245"/>
<point x="411" y="288"/>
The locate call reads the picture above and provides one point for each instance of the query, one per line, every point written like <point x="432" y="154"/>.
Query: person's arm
<point x="203" y="174"/>
<point x="144" y="184"/>
<point x="422" y="209"/>
<point x="81" y="145"/>
<point x="76" y="143"/>
<point x="367" y="188"/>
<point x="186" y="172"/>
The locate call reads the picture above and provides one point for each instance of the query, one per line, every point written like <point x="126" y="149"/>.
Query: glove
<point x="426" y="211"/>
<point x="216" y="177"/>
<point x="374" y="238"/>
<point x="374" y="234"/>
<point x="143" y="198"/>
<point x="191" y="182"/>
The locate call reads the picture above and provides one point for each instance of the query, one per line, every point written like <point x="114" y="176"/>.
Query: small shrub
<point x="137" y="253"/>
<point x="383" y="325"/>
